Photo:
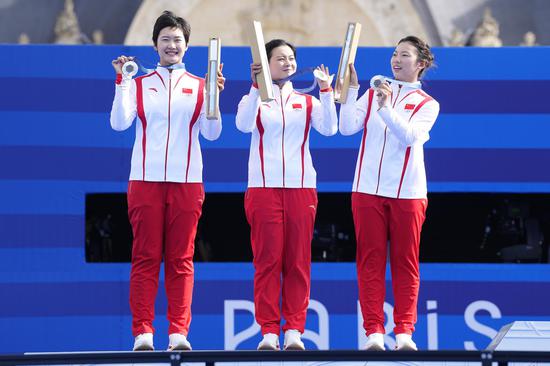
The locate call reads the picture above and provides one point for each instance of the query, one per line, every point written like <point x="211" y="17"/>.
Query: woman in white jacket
<point x="165" y="192"/>
<point x="281" y="199"/>
<point x="389" y="189"/>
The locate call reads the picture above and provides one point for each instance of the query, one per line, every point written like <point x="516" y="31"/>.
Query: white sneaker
<point x="293" y="340"/>
<point x="144" y="342"/>
<point x="404" y="342"/>
<point x="178" y="342"/>
<point x="269" y="343"/>
<point x="375" y="342"/>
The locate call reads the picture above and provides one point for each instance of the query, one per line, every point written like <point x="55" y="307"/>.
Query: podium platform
<point x="282" y="358"/>
<point x="522" y="336"/>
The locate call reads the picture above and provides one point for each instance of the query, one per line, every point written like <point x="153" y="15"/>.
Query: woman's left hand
<point x="324" y="84"/>
<point x="383" y="94"/>
<point x="221" y="80"/>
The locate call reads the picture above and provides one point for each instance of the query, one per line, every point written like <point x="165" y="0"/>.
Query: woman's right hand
<point x="255" y="69"/>
<point x="121" y="60"/>
<point x="353" y="80"/>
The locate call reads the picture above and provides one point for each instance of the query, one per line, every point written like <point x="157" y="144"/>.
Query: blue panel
<point x="53" y="231"/>
<point x="96" y="96"/>
<point x="68" y="334"/>
<point x="56" y="95"/>
<point x="495" y="96"/>
<point x="39" y="197"/>
<point x="61" y="60"/>
<point x="488" y="165"/>
<point x="113" y="333"/>
<point x="22" y="128"/>
<point x="492" y="131"/>
<point x="79" y="298"/>
<point x="515" y="63"/>
<point x="56" y="265"/>
<point x="488" y="187"/>
<point x="332" y="165"/>
<point x="64" y="163"/>
<point x="93" y="130"/>
<point x="44" y="266"/>
<point x="56" y="146"/>
<point x="458" y="292"/>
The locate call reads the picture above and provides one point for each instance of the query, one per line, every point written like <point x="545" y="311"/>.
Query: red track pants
<point x="379" y="219"/>
<point x="164" y="218"/>
<point x="281" y="225"/>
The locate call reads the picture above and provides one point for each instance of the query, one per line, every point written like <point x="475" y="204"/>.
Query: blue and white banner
<point x="85" y="306"/>
<point x="56" y="146"/>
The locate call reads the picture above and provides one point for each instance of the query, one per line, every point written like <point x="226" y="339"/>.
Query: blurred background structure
<point x="488" y="23"/>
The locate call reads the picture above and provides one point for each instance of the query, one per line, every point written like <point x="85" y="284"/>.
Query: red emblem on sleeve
<point x="296" y="106"/>
<point x="409" y="107"/>
<point x="187" y="91"/>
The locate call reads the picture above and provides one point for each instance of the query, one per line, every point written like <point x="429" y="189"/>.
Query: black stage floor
<point x="209" y="358"/>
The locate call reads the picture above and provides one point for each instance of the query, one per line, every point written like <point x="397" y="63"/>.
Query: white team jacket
<point x="279" y="148"/>
<point x="170" y="110"/>
<point x="391" y="155"/>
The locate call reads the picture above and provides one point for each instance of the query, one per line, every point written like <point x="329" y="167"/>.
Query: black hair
<point x="423" y="49"/>
<point x="274" y="43"/>
<point x="169" y="19"/>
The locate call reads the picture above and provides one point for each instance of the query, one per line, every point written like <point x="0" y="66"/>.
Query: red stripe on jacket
<point x="427" y="98"/>
<point x="198" y="107"/>
<point x="261" y="144"/>
<point x="309" y="107"/>
<point x="371" y="94"/>
<point x="143" y="119"/>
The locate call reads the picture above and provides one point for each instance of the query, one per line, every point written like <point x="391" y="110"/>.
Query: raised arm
<point x="124" y="109"/>
<point x="212" y="128"/>
<point x="248" y="110"/>
<point x="353" y="111"/>
<point x="249" y="104"/>
<point x="323" y="113"/>
<point x="417" y="129"/>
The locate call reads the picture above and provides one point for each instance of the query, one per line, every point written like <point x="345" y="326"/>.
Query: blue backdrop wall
<point x="56" y="146"/>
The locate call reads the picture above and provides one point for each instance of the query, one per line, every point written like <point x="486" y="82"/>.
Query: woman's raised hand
<point x="255" y="69"/>
<point x="326" y="80"/>
<point x="220" y="80"/>
<point x="383" y="93"/>
<point x="119" y="62"/>
<point x="353" y="79"/>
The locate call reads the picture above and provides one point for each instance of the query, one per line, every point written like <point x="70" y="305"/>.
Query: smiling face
<point x="405" y="63"/>
<point x="171" y="46"/>
<point x="282" y="63"/>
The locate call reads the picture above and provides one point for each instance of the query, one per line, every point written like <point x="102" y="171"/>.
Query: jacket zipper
<point x="168" y="134"/>
<point x="283" y="139"/>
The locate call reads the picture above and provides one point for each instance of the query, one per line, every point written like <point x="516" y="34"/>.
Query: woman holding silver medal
<point x="165" y="192"/>
<point x="281" y="199"/>
<point x="389" y="196"/>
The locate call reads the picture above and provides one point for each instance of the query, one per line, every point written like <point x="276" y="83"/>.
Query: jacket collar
<point x="283" y="92"/>
<point x="165" y="73"/>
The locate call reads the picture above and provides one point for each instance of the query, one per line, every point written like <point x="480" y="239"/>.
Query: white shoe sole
<point x="144" y="347"/>
<point x="266" y="347"/>
<point x="406" y="348"/>
<point x="180" y="348"/>
<point x="375" y="347"/>
<point x="294" y="347"/>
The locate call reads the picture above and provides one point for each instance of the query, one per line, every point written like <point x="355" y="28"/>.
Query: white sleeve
<point x="248" y="110"/>
<point x="124" y="108"/>
<point x="417" y="129"/>
<point x="210" y="129"/>
<point x="353" y="112"/>
<point x="323" y="114"/>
